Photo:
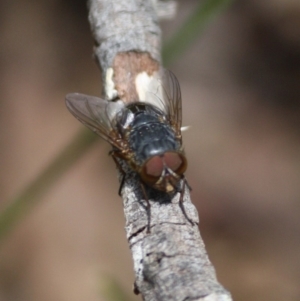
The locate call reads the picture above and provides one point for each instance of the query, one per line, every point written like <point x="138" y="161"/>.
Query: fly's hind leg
<point x="182" y="191"/>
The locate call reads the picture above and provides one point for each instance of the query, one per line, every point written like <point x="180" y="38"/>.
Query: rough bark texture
<point x="170" y="262"/>
<point x="136" y="63"/>
<point x="123" y="26"/>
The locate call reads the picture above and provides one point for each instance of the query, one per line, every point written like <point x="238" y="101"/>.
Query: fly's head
<point x="164" y="171"/>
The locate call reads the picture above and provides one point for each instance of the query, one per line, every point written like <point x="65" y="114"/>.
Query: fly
<point x="146" y="134"/>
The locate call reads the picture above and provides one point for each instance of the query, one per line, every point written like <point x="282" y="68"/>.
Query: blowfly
<point x="145" y="133"/>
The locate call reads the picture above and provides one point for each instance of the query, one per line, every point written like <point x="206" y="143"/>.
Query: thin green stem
<point x="111" y="290"/>
<point x="30" y="195"/>
<point x="205" y="12"/>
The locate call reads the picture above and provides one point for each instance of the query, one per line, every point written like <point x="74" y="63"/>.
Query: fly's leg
<point x="181" y="200"/>
<point x="114" y="155"/>
<point x="148" y="207"/>
<point x="187" y="184"/>
<point x="135" y="289"/>
<point x="121" y="184"/>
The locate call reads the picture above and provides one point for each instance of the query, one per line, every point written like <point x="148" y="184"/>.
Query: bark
<point x="170" y="262"/>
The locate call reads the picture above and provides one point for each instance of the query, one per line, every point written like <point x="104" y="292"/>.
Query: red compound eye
<point x="154" y="166"/>
<point x="152" y="170"/>
<point x="172" y="160"/>
<point x="175" y="161"/>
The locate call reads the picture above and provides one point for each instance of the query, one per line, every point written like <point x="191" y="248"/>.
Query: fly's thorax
<point x="152" y="138"/>
<point x="135" y="114"/>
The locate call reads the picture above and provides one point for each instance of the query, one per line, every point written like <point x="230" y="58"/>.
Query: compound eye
<point x="176" y="162"/>
<point x="152" y="169"/>
<point x="154" y="166"/>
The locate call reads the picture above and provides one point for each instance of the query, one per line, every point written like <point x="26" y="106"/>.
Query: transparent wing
<point x="96" y="114"/>
<point x="172" y="99"/>
<point x="163" y="91"/>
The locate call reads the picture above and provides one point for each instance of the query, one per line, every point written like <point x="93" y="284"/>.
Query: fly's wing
<point x="96" y="114"/>
<point x="164" y="93"/>
<point x="172" y="99"/>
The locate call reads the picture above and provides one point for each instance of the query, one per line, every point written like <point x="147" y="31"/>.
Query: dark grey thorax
<point x="150" y="136"/>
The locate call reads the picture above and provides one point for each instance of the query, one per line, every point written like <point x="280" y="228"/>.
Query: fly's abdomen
<point x="151" y="139"/>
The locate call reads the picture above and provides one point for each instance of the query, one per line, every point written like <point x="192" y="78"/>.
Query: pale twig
<point x="170" y="262"/>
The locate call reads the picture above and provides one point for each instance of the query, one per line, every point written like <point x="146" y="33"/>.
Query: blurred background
<point x="240" y="82"/>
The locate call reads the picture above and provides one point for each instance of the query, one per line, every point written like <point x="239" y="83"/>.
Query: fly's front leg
<point x="148" y="207"/>
<point x="116" y="155"/>
<point x="187" y="184"/>
<point x="182" y="191"/>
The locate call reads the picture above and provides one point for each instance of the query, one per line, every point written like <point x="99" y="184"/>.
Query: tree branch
<point x="170" y="262"/>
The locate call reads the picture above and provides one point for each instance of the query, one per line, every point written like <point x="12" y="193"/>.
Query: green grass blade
<point x="205" y="12"/>
<point x="111" y="290"/>
<point x="21" y="204"/>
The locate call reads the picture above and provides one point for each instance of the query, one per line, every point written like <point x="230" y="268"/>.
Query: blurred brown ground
<point x="241" y="90"/>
